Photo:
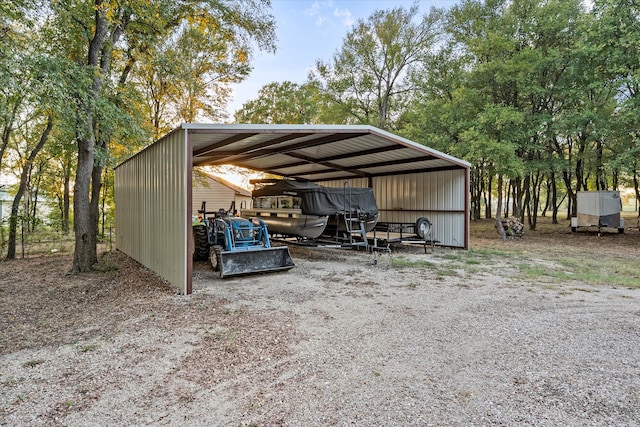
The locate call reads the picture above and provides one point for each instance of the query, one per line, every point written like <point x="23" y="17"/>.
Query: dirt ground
<point x="542" y="330"/>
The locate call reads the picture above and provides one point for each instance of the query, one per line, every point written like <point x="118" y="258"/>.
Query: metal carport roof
<point x="314" y="152"/>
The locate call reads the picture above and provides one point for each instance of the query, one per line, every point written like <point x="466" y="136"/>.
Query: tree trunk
<point x="506" y="207"/>
<point x="475" y="195"/>
<point x="534" y="203"/>
<point x="516" y="208"/>
<point x="547" y="203"/>
<point x="554" y="199"/>
<point x="84" y="220"/>
<point x="601" y="182"/>
<point x="33" y="215"/>
<point x="83" y="257"/>
<point x="636" y="188"/>
<point x="96" y="189"/>
<point x="499" y="226"/>
<point x="571" y="203"/>
<point x="66" y="199"/>
<point x="488" y="211"/>
<point x="24" y="177"/>
<point x="105" y="185"/>
<point x="524" y="196"/>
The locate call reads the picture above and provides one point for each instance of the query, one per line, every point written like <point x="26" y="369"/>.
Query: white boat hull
<point x="289" y="222"/>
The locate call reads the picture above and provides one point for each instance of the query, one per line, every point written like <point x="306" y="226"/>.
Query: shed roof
<point x="238" y="190"/>
<point x="314" y="152"/>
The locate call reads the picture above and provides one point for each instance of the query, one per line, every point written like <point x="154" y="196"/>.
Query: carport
<point x="409" y="180"/>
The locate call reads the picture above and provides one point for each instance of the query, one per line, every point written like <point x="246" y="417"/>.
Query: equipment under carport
<point x="598" y="209"/>
<point x="419" y="232"/>
<point x="236" y="245"/>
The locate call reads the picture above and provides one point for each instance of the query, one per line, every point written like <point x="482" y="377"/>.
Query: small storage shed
<point x="217" y="192"/>
<point x="154" y="201"/>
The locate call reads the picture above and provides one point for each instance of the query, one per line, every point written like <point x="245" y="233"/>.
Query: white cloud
<point x="345" y="16"/>
<point x="319" y="10"/>
<point x="313" y="10"/>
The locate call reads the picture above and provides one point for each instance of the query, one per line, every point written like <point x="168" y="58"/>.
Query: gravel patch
<point x="338" y="340"/>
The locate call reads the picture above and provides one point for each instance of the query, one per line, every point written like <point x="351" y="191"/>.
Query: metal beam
<point x="227" y="157"/>
<point x="213" y="147"/>
<point x="345" y="156"/>
<point x="305" y="144"/>
<point x="331" y="165"/>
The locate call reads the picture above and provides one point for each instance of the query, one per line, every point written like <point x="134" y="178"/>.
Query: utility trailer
<point x="599" y="209"/>
<point x="419" y="232"/>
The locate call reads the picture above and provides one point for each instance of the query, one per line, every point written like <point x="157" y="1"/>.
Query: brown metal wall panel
<point x="151" y="208"/>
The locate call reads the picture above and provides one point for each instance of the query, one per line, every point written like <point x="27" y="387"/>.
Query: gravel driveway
<point x="337" y="340"/>
<point x="389" y="346"/>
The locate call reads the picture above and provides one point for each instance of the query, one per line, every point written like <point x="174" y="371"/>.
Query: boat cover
<point x="318" y="200"/>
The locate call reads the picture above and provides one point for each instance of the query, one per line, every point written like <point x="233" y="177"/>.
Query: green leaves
<point x="283" y="103"/>
<point x="367" y="78"/>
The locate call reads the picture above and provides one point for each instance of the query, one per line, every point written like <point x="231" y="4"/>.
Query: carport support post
<point x="467" y="208"/>
<point x="188" y="167"/>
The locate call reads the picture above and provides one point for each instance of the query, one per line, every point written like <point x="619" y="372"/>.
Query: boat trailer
<point x="379" y="240"/>
<point x="419" y="232"/>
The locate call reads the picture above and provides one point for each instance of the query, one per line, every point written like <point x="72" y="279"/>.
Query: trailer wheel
<point x="423" y="227"/>
<point x="214" y="257"/>
<point x="200" y="242"/>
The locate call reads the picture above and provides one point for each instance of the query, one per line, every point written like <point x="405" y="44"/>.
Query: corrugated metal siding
<point x="439" y="196"/>
<point x="355" y="183"/>
<point x="151" y="208"/>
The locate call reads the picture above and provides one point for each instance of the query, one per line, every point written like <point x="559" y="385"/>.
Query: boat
<point x="307" y="210"/>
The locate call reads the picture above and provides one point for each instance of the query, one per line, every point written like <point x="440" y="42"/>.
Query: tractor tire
<point x="423" y="227"/>
<point x="200" y="243"/>
<point x="214" y="257"/>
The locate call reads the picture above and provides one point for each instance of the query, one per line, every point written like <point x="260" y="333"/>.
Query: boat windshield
<point x="277" y="202"/>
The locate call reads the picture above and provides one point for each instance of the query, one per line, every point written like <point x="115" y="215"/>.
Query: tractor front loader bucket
<point x="234" y="263"/>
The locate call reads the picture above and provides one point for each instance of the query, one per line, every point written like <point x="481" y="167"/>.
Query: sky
<point x="308" y="30"/>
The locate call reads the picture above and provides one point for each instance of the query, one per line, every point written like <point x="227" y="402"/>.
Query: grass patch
<point x="401" y="262"/>
<point x="589" y="272"/>
<point x="536" y="271"/>
<point x="489" y="253"/>
<point x="446" y="272"/>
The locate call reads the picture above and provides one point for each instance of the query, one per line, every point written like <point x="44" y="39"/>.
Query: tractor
<point x="235" y="245"/>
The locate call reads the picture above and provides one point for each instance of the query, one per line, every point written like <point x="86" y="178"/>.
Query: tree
<point x="367" y="79"/>
<point x="282" y="103"/>
<point x="57" y="177"/>
<point x="24" y="177"/>
<point x="37" y="94"/>
<point x="616" y="36"/>
<point x="107" y="38"/>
